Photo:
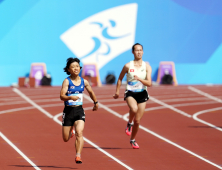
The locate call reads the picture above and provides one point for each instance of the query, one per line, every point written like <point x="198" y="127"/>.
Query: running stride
<point x="136" y="96"/>
<point x="73" y="113"/>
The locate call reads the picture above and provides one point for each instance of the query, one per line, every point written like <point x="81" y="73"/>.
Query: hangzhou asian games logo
<point x="103" y="36"/>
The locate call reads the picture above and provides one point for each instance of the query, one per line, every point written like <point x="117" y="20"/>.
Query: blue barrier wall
<point x="186" y="32"/>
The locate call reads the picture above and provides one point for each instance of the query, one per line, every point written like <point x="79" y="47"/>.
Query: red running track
<point x="170" y="138"/>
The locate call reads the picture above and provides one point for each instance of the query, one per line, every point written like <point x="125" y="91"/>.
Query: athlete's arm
<point x="119" y="81"/>
<point x="63" y="91"/>
<point x="91" y="94"/>
<point x="147" y="81"/>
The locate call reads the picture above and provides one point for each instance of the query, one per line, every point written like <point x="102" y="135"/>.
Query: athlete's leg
<point x="131" y="102"/>
<point x="138" y="116"/>
<point x="66" y="132"/>
<point x="79" y="126"/>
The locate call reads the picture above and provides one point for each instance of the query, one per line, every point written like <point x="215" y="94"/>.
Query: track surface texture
<point x="181" y="130"/>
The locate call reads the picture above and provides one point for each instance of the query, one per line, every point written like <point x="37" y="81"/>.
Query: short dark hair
<point x="70" y="61"/>
<point x="135" y="45"/>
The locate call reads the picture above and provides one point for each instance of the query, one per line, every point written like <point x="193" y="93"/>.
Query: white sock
<point x="132" y="140"/>
<point x="130" y="123"/>
<point x="78" y="154"/>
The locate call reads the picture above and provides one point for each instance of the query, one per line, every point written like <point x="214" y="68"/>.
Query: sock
<point x="78" y="154"/>
<point x="130" y="123"/>
<point x="132" y="140"/>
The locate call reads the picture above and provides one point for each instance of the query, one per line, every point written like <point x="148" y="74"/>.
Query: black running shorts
<point x="140" y="97"/>
<point x="72" y="114"/>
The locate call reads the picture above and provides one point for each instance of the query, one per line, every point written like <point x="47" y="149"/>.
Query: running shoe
<point x="78" y="160"/>
<point x="72" y="133"/>
<point x="128" y="129"/>
<point x="134" y="144"/>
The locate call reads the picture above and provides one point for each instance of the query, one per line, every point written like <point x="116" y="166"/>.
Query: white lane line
<point x="179" y="105"/>
<point x="153" y="133"/>
<point x="51" y="116"/>
<point x="10" y="103"/>
<point x="205" y="94"/>
<point x="105" y="107"/>
<point x="158" y="136"/>
<point x="15" y="110"/>
<point x="108" y="105"/>
<point x="32" y="103"/>
<point x="176" y="145"/>
<point x="184" y="99"/>
<point x="20" y="152"/>
<point x="31" y="107"/>
<point x="115" y="105"/>
<point x="170" y="107"/>
<point x="204" y="122"/>
<point x="180" y="147"/>
<point x="93" y="144"/>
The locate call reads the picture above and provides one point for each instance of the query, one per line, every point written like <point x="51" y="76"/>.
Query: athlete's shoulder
<point x="127" y="65"/>
<point x="85" y="82"/>
<point x="148" y="68"/>
<point x="67" y="78"/>
<point x="66" y="81"/>
<point x="148" y="65"/>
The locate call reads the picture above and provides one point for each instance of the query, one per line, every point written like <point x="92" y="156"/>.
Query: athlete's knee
<point x="65" y="139"/>
<point x="136" y="121"/>
<point x="134" y="109"/>
<point x="79" y="133"/>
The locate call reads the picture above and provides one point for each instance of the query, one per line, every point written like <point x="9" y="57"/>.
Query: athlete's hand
<point x="115" y="96"/>
<point x="74" y="98"/>
<point x="95" y="107"/>
<point x="136" y="77"/>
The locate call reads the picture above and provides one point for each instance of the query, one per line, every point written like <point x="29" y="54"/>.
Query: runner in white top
<point x="138" y="78"/>
<point x="132" y="84"/>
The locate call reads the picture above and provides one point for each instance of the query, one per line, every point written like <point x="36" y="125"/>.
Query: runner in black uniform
<point x="138" y="78"/>
<point x="73" y="113"/>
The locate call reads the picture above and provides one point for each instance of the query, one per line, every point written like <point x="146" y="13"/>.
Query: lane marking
<point x="15" y="102"/>
<point x="204" y="122"/>
<point x="108" y="105"/>
<point x="124" y="117"/>
<point x="55" y="117"/>
<point x="180" y="105"/>
<point x="31" y="107"/>
<point x="94" y="145"/>
<point x="204" y="94"/>
<point x="20" y="152"/>
<point x="155" y="134"/>
<point x="104" y="107"/>
<point x="180" y="147"/>
<point x="184" y="99"/>
<point x="170" y="107"/>
<point x="32" y="103"/>
<point x="17" y="109"/>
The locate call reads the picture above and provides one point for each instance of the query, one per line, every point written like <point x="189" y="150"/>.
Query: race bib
<point x="79" y="101"/>
<point x="135" y="86"/>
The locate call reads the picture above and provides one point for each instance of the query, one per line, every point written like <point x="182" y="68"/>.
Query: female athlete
<point x="136" y="96"/>
<point x="73" y="113"/>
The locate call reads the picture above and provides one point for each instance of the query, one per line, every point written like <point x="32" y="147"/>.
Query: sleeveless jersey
<point x="75" y="91"/>
<point x="132" y="84"/>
